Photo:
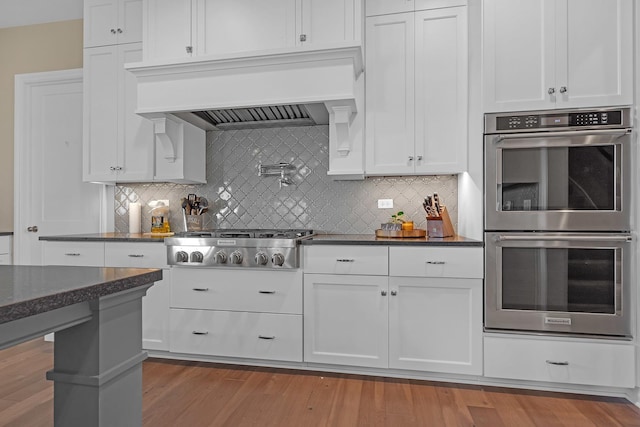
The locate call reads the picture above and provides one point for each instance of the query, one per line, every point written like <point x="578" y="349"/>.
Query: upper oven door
<point x="558" y="181"/>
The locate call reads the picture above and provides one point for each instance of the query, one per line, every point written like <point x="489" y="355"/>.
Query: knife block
<point x="440" y="226"/>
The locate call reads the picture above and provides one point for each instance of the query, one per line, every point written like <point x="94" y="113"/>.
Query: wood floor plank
<point x="209" y="394"/>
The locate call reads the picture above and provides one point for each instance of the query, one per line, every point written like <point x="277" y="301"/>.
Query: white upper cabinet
<point x="541" y="54"/>
<point x="221" y="27"/>
<point x="109" y="22"/>
<point x="230" y="26"/>
<point x="416" y="86"/>
<point x="118" y="144"/>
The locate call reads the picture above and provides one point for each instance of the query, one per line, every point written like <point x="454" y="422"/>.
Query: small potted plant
<point x="396" y="222"/>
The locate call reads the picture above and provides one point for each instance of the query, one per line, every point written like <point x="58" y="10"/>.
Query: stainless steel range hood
<point x="265" y="89"/>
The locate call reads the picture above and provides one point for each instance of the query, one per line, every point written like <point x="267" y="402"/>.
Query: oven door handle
<point x="564" y="134"/>
<point x="591" y="238"/>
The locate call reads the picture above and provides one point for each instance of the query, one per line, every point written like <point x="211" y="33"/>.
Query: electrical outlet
<point x="385" y="203"/>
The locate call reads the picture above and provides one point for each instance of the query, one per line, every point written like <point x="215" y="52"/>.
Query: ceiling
<point x="15" y="13"/>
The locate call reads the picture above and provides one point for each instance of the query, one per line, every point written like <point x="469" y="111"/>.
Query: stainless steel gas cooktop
<point x="237" y="248"/>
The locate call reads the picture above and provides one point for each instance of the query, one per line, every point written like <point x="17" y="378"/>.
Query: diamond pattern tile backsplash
<point x="239" y="198"/>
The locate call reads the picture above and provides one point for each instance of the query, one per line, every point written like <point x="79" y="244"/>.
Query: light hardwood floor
<point x="192" y="394"/>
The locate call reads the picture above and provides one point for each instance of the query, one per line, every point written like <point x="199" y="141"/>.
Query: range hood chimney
<point x="263" y="89"/>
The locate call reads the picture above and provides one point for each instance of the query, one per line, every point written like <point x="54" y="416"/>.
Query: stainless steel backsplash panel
<point x="239" y="198"/>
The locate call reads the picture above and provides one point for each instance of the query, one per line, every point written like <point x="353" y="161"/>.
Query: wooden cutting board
<point x="401" y="233"/>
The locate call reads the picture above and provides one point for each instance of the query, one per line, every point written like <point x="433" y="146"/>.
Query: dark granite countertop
<point x="104" y="237"/>
<point x="29" y="290"/>
<point x="371" y="239"/>
<point x="6" y="233"/>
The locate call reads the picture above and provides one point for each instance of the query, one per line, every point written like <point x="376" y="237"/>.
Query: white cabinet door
<point x="441" y="90"/>
<point x="329" y="21"/>
<point x="100" y="114"/>
<point x="168" y="28"/>
<point x="557" y="53"/>
<point x="390" y="94"/>
<point x="108" y="22"/>
<point x="594" y="54"/>
<point x="155" y="304"/>
<point x="346" y="320"/>
<point x="435" y="324"/>
<point x="135" y="133"/>
<point x="118" y="144"/>
<point x="231" y="26"/>
<point x="519" y="64"/>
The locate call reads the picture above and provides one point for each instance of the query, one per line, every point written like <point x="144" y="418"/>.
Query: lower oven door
<point x="573" y="283"/>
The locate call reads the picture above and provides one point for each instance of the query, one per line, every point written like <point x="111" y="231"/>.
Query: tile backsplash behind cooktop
<point x="239" y="198"/>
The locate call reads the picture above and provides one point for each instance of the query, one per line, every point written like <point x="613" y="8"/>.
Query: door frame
<point x="24" y="84"/>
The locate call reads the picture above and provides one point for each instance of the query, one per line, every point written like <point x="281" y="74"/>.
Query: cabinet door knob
<point x="303" y="37"/>
<point x="119" y="30"/>
<point x="551" y="90"/>
<point x="383" y="293"/>
<point x="563" y="89"/>
<point x="411" y="158"/>
<point x="113" y="31"/>
<point x="394" y="293"/>
<point x="419" y="157"/>
<point x="33" y="229"/>
<point x="189" y="49"/>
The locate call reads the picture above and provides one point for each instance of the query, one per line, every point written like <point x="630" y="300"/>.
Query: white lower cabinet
<point x="237" y="334"/>
<point x="252" y="314"/>
<point x="435" y="324"/>
<point x="84" y="254"/>
<point x="560" y="360"/>
<point x="5" y="250"/>
<point x="430" y="322"/>
<point x="155" y="304"/>
<point x="346" y="320"/>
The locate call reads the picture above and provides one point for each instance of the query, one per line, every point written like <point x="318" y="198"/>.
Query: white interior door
<point x="49" y="193"/>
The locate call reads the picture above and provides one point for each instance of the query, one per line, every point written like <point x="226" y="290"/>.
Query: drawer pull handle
<point x="553" y="362"/>
<point x="265" y="337"/>
<point x="436" y="262"/>
<point x="73" y="254"/>
<point x="201" y="289"/>
<point x="136" y="256"/>
<point x="345" y="260"/>
<point x="266" y="292"/>
<point x="200" y="333"/>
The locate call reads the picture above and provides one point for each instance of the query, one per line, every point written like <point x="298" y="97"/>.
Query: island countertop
<point x="29" y="290"/>
<point x="105" y="237"/>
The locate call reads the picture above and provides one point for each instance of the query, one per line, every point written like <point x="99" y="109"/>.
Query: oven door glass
<point x="560" y="279"/>
<point x="562" y="282"/>
<point x="574" y="181"/>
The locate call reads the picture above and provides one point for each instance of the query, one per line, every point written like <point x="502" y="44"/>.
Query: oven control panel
<point x="557" y="120"/>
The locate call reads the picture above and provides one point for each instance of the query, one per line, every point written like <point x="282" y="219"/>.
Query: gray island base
<point x="97" y="316"/>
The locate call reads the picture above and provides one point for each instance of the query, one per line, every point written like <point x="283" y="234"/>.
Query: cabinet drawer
<point x="588" y="362"/>
<point x="363" y="260"/>
<point x="86" y="254"/>
<point x="138" y="255"/>
<point x="436" y="262"/>
<point x="234" y="290"/>
<point x="237" y="334"/>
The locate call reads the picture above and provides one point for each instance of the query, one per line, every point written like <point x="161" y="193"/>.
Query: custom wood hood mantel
<point x="264" y="89"/>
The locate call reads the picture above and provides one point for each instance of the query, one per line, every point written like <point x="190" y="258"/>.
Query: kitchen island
<point x="97" y="316"/>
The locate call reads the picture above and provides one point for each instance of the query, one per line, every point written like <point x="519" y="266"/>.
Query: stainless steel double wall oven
<point x="558" y="251"/>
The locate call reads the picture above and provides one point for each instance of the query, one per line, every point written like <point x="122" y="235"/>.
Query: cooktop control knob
<point x="278" y="259"/>
<point x="182" y="256"/>
<point x="221" y="257"/>
<point x="236" y="257"/>
<point x="196" y="256"/>
<point x="261" y="258"/>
